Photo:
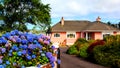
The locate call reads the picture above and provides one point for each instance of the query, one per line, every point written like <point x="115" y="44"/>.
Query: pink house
<point x="66" y="32"/>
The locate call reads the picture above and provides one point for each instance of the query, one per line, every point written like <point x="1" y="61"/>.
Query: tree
<point x="109" y="23"/>
<point x="19" y="12"/>
<point x="119" y="25"/>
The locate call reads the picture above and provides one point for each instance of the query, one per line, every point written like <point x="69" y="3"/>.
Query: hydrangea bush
<point x="22" y="49"/>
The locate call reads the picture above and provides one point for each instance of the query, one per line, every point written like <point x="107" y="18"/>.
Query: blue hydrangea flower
<point x="48" y="54"/>
<point x="33" y="56"/>
<point x="2" y="66"/>
<point x="52" y="59"/>
<point x="19" y="53"/>
<point x="0" y="41"/>
<point x="14" y="47"/>
<point x="1" y="61"/>
<point x="39" y="46"/>
<point x="18" y="40"/>
<point x="31" y="46"/>
<point x="29" y="57"/>
<point x="12" y="33"/>
<point x="29" y="52"/>
<point x="52" y="64"/>
<point x="11" y="51"/>
<point x="7" y="62"/>
<point x="10" y="54"/>
<point x="24" y="41"/>
<point x="58" y="61"/>
<point x="39" y="65"/>
<point x="24" y="52"/>
<point x="4" y="41"/>
<point x="23" y="67"/>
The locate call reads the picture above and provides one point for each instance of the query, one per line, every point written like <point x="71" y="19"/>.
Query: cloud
<point x="73" y="8"/>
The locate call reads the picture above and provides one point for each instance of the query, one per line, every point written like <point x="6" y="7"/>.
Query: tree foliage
<point x="16" y="13"/>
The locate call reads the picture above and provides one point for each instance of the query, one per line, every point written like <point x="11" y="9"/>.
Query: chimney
<point x="62" y="21"/>
<point x="98" y="19"/>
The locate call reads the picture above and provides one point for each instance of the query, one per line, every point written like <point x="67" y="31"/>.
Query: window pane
<point x="56" y="35"/>
<point x="70" y="35"/>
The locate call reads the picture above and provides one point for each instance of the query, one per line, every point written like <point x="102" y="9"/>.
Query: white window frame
<point x="56" y="36"/>
<point x="71" y="33"/>
<point x="103" y="33"/>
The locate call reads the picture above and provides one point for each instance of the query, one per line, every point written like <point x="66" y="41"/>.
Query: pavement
<point x="70" y="61"/>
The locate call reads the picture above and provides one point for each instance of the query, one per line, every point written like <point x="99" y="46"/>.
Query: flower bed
<point x="22" y="49"/>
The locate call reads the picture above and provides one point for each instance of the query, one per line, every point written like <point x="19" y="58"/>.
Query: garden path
<point x="70" y="61"/>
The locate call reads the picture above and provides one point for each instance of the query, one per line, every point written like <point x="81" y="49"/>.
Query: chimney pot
<point x="98" y="19"/>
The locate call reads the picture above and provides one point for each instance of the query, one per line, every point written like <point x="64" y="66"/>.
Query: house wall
<point x="70" y="41"/>
<point x="98" y="35"/>
<point x="61" y="40"/>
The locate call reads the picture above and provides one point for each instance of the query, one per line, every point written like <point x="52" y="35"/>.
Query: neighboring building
<point x="67" y="32"/>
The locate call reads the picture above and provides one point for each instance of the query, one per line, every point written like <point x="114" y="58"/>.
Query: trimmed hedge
<point x="108" y="55"/>
<point x="83" y="50"/>
<point x="72" y="50"/>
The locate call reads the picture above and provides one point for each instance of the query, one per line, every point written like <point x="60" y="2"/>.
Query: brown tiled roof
<point x="82" y="26"/>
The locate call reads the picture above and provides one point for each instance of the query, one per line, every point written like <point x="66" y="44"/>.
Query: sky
<point x="108" y="10"/>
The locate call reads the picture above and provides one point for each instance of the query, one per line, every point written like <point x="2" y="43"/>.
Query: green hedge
<point x="83" y="50"/>
<point x="108" y="55"/>
<point x="72" y="50"/>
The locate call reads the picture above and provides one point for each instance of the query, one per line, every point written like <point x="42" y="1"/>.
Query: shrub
<point x="96" y="43"/>
<point x="79" y="43"/>
<point x="22" y="49"/>
<point x="83" y="50"/>
<point x="107" y="55"/>
<point x="72" y="50"/>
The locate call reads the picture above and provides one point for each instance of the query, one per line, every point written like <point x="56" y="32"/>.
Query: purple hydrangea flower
<point x="18" y="40"/>
<point x="31" y="46"/>
<point x="14" y="64"/>
<point x="38" y="65"/>
<point x="49" y="54"/>
<point x="1" y="61"/>
<point x="39" y="46"/>
<point x="46" y="42"/>
<point x="58" y="61"/>
<point x="24" y="52"/>
<point x="28" y="57"/>
<point x="52" y="59"/>
<point x="52" y="47"/>
<point x="3" y="50"/>
<point x="10" y="54"/>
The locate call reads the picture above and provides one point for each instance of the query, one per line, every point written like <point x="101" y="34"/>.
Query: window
<point x="56" y="35"/>
<point x="71" y="35"/>
<point x="105" y="35"/>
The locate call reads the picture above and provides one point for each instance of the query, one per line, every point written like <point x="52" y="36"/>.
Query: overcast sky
<point x="108" y="10"/>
